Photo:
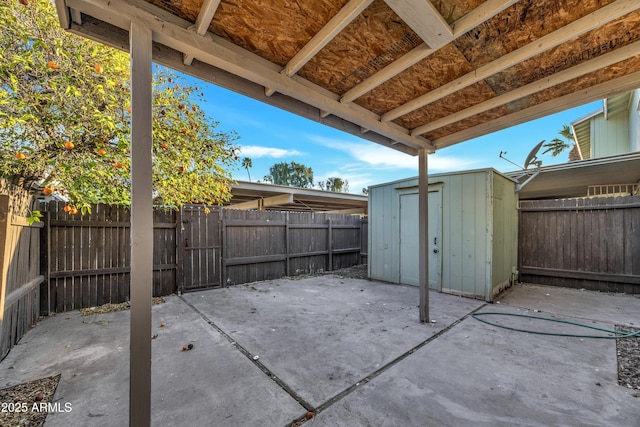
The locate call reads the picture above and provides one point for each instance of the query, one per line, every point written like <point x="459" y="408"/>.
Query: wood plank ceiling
<point x="408" y="74"/>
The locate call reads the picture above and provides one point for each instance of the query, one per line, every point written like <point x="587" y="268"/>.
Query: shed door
<point x="409" y="249"/>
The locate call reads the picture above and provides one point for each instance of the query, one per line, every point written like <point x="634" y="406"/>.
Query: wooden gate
<point x="199" y="248"/>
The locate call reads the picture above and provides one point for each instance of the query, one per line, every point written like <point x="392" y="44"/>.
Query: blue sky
<point x="269" y="135"/>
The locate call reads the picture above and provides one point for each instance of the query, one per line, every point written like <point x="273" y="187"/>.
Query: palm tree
<point x="557" y="145"/>
<point x="247" y="163"/>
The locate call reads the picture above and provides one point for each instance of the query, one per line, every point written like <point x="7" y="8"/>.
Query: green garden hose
<point x="616" y="334"/>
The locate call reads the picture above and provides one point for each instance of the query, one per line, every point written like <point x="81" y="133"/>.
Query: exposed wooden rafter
<point x="583" y="25"/>
<point x="347" y="14"/>
<point x="425" y="20"/>
<point x="207" y="10"/>
<point x="593" y="93"/>
<point x="479" y="15"/>
<point x="537" y="86"/>
<point x="174" y="32"/>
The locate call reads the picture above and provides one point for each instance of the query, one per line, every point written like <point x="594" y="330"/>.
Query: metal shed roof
<point x="408" y="74"/>
<point x="572" y="179"/>
<point x="251" y="195"/>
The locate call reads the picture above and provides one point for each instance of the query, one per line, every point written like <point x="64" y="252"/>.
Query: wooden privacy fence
<point x="591" y="243"/>
<point x="88" y="256"/>
<point x="263" y="245"/>
<point x="20" y="277"/>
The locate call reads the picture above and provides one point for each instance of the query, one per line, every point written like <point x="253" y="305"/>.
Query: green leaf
<point x="34" y="216"/>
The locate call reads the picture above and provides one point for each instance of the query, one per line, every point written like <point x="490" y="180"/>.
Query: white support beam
<point x="579" y="70"/>
<point x="324" y="114"/>
<point x="205" y="16"/>
<point x="423" y="235"/>
<point x="268" y="91"/>
<point x="352" y="211"/>
<point x="396" y="67"/>
<point x="280" y="199"/>
<point x="425" y="20"/>
<point x="341" y="19"/>
<point x="173" y="32"/>
<point x="482" y="13"/>
<point x="556" y="105"/>
<point x="581" y="26"/>
<point x="141" y="225"/>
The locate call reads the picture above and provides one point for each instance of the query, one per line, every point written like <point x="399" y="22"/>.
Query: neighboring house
<point x="605" y="161"/>
<point x="611" y="130"/>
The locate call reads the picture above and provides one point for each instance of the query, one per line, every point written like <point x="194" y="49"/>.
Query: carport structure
<point x="414" y="75"/>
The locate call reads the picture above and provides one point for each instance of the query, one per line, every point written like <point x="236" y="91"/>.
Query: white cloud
<point x="256" y="151"/>
<point x="381" y="157"/>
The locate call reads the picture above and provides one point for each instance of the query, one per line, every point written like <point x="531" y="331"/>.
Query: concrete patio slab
<point x="323" y="334"/>
<point x="477" y="374"/>
<point x="350" y="350"/>
<point x="577" y="303"/>
<point x="189" y="388"/>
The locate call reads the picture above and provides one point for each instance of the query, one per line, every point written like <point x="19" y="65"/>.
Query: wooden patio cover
<point x="408" y="74"/>
<point x="414" y="75"/>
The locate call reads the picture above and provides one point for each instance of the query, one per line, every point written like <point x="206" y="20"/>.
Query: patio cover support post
<point x="423" y="233"/>
<point x="141" y="227"/>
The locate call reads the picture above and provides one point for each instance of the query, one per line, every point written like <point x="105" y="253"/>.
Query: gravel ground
<point x="628" y="350"/>
<point x="27" y="404"/>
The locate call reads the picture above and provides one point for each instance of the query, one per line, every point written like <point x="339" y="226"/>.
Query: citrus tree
<point x="65" y="120"/>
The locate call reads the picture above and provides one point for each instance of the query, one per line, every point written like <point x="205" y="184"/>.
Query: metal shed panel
<point x="474" y="222"/>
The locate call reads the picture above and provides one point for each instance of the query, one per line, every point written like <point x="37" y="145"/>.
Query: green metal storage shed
<point x="472" y="239"/>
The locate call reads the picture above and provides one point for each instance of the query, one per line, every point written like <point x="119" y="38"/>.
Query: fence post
<point x="5" y="224"/>
<point x="330" y="245"/>
<point x="286" y="243"/>
<point x="179" y="251"/>
<point x="45" y="250"/>
<point x="223" y="250"/>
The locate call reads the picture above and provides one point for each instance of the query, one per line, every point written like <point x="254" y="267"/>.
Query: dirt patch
<point x="355" y="272"/>
<point x="27" y="404"/>
<point x="628" y="351"/>
<point x="110" y="308"/>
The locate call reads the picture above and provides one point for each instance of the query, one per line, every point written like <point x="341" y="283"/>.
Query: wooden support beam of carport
<point x="140" y="43"/>
<point x="280" y="199"/>
<point x="423" y="232"/>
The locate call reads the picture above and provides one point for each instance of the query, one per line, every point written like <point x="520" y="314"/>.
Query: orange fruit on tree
<point x="20" y="156"/>
<point x="98" y="68"/>
<point x="164" y="145"/>
<point x="129" y="109"/>
<point x="69" y="145"/>
<point x="47" y="191"/>
<point x="102" y="151"/>
<point x="73" y="211"/>
<point x="53" y="65"/>
<point x="117" y="165"/>
<point x="67" y="208"/>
